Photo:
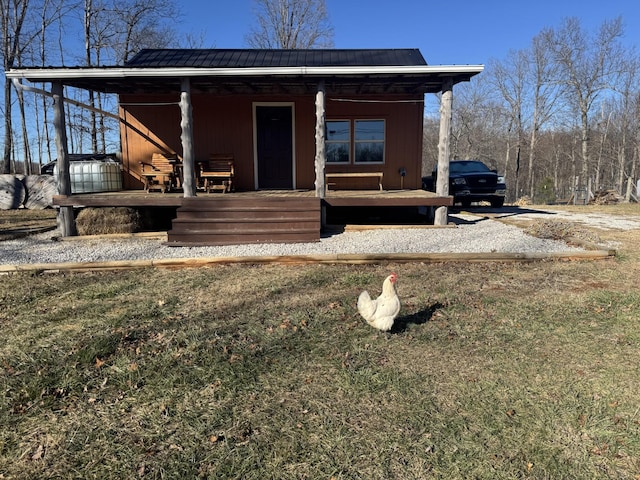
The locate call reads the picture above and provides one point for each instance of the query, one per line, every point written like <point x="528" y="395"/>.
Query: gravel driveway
<point x="473" y="233"/>
<point x="603" y="221"/>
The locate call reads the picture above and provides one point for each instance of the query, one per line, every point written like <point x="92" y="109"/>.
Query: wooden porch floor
<point x="334" y="198"/>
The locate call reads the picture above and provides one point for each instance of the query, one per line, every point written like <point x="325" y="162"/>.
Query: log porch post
<point x="320" y="159"/>
<point x="188" y="155"/>
<point x="442" y="182"/>
<point x="66" y="217"/>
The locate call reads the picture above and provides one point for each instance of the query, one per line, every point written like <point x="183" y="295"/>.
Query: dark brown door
<point x="274" y="146"/>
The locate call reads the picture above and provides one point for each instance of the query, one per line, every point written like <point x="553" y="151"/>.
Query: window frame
<point x="347" y="142"/>
<point x="356" y="141"/>
<point x="352" y="142"/>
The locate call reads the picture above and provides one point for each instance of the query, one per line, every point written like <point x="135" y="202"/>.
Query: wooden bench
<point x="217" y="173"/>
<point x="377" y="175"/>
<point x="160" y="173"/>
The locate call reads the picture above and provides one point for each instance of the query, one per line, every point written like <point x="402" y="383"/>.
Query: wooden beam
<point x="331" y="259"/>
<point x="66" y="217"/>
<point x="188" y="154"/>
<point x="442" y="182"/>
<point x="320" y="159"/>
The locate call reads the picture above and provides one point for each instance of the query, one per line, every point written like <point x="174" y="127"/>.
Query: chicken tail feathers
<point x="366" y="306"/>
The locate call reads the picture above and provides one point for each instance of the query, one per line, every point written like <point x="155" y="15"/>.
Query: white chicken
<point x="381" y="312"/>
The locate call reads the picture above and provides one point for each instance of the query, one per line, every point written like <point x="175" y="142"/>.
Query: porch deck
<point x="339" y="198"/>
<point x="264" y="216"/>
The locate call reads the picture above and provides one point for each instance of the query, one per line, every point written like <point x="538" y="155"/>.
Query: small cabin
<point x="289" y="120"/>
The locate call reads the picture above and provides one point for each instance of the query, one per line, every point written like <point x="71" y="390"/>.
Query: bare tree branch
<point x="291" y="24"/>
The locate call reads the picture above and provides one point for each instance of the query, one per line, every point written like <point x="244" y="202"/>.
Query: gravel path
<point x="473" y="234"/>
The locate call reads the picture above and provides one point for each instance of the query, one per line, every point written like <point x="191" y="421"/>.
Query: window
<point x="338" y="141"/>
<point x="367" y="145"/>
<point x="369" y="141"/>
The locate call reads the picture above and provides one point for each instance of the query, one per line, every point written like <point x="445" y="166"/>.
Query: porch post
<point x="188" y="156"/>
<point x="442" y="182"/>
<point x="320" y="159"/>
<point x="66" y="218"/>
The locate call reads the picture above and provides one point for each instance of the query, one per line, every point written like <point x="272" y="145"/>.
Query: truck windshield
<point x="467" y="167"/>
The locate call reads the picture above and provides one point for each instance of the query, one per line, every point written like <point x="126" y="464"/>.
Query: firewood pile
<point x="607" y="197"/>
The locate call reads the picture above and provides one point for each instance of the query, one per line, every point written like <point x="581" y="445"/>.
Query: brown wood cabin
<point x="287" y="117"/>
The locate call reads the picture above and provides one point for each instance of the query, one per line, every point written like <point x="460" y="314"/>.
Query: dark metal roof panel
<point x="245" y="58"/>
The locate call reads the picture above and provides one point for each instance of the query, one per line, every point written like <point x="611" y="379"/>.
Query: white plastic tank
<point x="93" y="176"/>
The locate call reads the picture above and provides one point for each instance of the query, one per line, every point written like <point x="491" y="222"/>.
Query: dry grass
<point x="15" y="223"/>
<point x="524" y="370"/>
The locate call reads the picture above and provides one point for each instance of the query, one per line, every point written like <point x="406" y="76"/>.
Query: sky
<point x="464" y="32"/>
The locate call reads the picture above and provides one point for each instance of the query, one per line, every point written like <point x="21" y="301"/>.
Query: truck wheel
<point x="497" y="203"/>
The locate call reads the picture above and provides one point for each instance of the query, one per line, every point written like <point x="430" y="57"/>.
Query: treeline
<point x="558" y="118"/>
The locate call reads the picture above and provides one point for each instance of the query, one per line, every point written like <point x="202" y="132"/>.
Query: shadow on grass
<point x="418" y="318"/>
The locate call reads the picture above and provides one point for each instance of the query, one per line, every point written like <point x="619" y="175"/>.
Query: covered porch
<point x="293" y="121"/>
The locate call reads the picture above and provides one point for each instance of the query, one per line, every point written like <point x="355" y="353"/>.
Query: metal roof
<point x="243" y="58"/>
<point x="262" y="72"/>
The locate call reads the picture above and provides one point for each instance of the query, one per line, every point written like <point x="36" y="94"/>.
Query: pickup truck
<point x="470" y="181"/>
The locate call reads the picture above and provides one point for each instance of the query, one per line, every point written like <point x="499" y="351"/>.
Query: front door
<point x="274" y="146"/>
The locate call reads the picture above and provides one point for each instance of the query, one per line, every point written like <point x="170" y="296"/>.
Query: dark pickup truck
<point x="471" y="181"/>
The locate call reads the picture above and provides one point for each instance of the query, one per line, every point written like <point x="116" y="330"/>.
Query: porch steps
<point x="229" y="220"/>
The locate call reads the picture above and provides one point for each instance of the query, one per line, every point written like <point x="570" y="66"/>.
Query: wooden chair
<point x="217" y="173"/>
<point x="160" y="174"/>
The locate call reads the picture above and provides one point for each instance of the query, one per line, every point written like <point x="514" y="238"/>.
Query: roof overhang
<point x="256" y="80"/>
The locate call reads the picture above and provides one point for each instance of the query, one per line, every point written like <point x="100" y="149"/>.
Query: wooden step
<point x="241" y="220"/>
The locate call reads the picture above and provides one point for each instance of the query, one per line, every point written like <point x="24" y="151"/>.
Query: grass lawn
<point x="494" y="370"/>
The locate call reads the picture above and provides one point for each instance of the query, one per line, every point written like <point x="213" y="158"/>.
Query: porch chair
<point x="217" y="173"/>
<point x="161" y="173"/>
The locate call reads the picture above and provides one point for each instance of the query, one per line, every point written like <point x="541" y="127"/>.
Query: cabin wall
<point x="403" y="117"/>
<point x="225" y="124"/>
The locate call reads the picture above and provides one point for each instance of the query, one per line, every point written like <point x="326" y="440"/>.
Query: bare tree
<point x="22" y="22"/>
<point x="114" y="30"/>
<point x="509" y="78"/>
<point x="13" y="15"/>
<point x="295" y="24"/>
<point x="545" y="93"/>
<point x="626" y="123"/>
<point x="589" y="65"/>
<point x="143" y="24"/>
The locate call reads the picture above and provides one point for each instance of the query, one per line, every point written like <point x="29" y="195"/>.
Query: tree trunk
<point x="26" y="166"/>
<point x="66" y="219"/>
<point x="584" y="173"/>
<point x="320" y="159"/>
<point x="442" y="183"/>
<point x="188" y="156"/>
<point x="8" y="129"/>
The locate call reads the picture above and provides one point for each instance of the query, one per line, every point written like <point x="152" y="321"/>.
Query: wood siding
<point x="225" y="125"/>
